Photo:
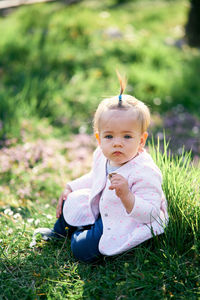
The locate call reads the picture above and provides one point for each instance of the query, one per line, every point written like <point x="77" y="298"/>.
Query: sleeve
<point x="82" y="182"/>
<point x="147" y="190"/>
<point x="85" y="181"/>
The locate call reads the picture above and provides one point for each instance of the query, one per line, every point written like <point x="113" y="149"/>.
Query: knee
<point x="81" y="251"/>
<point x="77" y="250"/>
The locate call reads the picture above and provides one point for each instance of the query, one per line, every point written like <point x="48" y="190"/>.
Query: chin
<point x="119" y="163"/>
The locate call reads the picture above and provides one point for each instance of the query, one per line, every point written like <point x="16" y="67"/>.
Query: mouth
<point x="117" y="153"/>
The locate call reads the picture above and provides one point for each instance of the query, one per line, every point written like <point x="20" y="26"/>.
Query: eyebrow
<point x="121" y="131"/>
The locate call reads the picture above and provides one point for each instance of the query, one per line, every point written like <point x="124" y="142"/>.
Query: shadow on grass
<point x="185" y="90"/>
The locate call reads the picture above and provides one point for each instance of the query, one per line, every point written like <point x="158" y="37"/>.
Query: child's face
<point x="120" y="136"/>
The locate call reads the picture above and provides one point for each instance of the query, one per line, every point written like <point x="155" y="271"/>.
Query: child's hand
<point x="63" y="197"/>
<point x="120" y="185"/>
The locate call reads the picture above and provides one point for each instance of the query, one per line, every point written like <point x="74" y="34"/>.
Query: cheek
<point x="104" y="145"/>
<point x="133" y="147"/>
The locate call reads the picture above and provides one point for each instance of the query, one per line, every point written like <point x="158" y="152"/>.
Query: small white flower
<point x="30" y="220"/>
<point x="49" y="217"/>
<point x="37" y="222"/>
<point x="16" y="216"/>
<point x="8" y="212"/>
<point x="10" y="231"/>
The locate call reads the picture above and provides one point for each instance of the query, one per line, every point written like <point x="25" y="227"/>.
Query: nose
<point x="117" y="142"/>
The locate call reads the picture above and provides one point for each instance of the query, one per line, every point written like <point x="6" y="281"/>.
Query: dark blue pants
<point x="84" y="240"/>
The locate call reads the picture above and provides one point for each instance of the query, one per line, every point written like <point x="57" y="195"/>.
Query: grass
<point x="163" y="268"/>
<point x="63" y="60"/>
<point x="56" y="64"/>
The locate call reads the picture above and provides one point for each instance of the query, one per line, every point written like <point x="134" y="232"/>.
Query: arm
<point x="62" y="198"/>
<point x="82" y="182"/>
<point x="143" y="200"/>
<point x="120" y="185"/>
<point x="147" y="191"/>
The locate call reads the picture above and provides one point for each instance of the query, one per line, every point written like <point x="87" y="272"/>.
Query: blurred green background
<point x="58" y="61"/>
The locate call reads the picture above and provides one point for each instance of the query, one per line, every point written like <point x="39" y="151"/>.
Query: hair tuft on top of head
<point x="140" y="110"/>
<point x="122" y="81"/>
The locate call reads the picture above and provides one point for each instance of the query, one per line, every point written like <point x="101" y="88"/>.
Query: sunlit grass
<point x="63" y="60"/>
<point x="56" y="64"/>
<point x="181" y="186"/>
<point x="164" y="267"/>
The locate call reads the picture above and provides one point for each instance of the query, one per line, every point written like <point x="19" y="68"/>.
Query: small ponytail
<point x="122" y="82"/>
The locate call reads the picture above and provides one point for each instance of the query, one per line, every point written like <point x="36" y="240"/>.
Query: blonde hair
<point x="128" y="102"/>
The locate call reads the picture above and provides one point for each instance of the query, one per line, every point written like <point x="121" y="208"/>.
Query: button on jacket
<point x="121" y="230"/>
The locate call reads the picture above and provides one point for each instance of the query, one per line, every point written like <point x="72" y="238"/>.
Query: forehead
<point x="123" y="120"/>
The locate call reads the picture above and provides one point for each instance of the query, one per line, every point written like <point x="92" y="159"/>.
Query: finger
<point x="111" y="187"/>
<point x="111" y="175"/>
<point x="59" y="206"/>
<point x="58" y="213"/>
<point x="113" y="178"/>
<point x="115" y="182"/>
<point x="59" y="209"/>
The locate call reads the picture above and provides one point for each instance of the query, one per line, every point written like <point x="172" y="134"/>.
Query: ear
<point x="97" y="137"/>
<point x="143" y="139"/>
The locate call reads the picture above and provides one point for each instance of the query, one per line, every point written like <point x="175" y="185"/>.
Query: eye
<point x="127" y="136"/>
<point x="108" y="136"/>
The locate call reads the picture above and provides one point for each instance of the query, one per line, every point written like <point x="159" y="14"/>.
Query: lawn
<point x="162" y="268"/>
<point x="57" y="63"/>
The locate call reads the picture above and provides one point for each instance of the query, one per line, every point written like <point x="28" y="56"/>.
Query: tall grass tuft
<point x="165" y="267"/>
<point x="181" y="185"/>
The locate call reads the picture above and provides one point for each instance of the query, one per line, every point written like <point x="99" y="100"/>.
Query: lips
<point x="117" y="153"/>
